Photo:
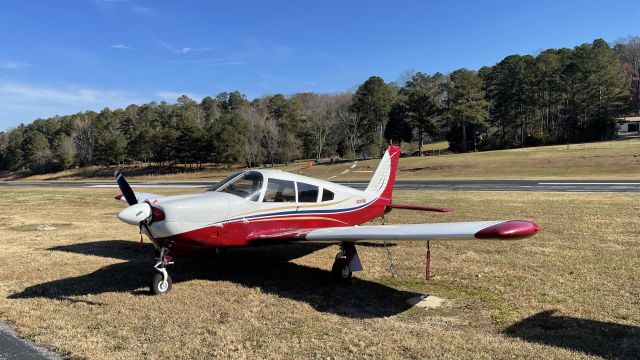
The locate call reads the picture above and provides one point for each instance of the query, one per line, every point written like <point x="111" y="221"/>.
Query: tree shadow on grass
<point x="606" y="339"/>
<point x="268" y="268"/>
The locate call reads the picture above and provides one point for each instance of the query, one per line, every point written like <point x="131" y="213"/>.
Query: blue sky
<point x="61" y="57"/>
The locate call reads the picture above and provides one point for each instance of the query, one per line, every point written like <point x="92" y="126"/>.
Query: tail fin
<point x="385" y="175"/>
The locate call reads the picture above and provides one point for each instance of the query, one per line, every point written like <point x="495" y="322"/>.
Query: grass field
<point x="602" y="160"/>
<point x="570" y="292"/>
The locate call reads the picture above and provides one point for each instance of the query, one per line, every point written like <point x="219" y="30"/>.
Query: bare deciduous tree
<point x="253" y="151"/>
<point x="292" y="150"/>
<point x="349" y="123"/>
<point x="271" y="138"/>
<point x="322" y="117"/>
<point x="85" y="139"/>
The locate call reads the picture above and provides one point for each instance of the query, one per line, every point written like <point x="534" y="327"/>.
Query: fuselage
<point x="260" y="206"/>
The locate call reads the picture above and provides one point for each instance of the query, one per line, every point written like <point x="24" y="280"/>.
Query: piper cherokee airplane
<point x="259" y="207"/>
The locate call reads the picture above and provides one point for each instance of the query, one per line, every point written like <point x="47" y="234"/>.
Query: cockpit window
<point x="246" y="186"/>
<point x="280" y="191"/>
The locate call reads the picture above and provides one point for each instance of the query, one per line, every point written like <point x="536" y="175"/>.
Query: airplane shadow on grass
<point x="606" y="339"/>
<point x="265" y="267"/>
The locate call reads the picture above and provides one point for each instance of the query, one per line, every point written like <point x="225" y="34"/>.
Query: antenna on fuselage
<point x="333" y="161"/>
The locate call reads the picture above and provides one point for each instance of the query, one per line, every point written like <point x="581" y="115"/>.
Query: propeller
<point x="135" y="213"/>
<point x="125" y="189"/>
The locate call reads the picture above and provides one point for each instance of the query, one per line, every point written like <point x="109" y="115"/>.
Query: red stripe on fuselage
<point x="244" y="233"/>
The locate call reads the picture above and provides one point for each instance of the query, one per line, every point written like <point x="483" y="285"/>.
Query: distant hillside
<point x="598" y="160"/>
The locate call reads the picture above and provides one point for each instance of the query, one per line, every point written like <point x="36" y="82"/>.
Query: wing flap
<point x="496" y="230"/>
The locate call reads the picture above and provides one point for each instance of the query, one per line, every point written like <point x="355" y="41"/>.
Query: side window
<point x="280" y="191"/>
<point x="307" y="193"/>
<point x="327" y="195"/>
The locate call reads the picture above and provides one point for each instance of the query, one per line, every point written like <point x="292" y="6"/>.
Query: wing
<point x="496" y="230"/>
<point x="141" y="196"/>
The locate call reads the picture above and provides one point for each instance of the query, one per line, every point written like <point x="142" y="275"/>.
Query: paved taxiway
<point x="12" y="347"/>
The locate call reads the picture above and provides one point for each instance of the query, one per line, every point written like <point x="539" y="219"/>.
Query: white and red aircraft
<point x="259" y="207"/>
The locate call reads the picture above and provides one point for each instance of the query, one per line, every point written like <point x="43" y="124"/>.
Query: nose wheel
<point x="161" y="282"/>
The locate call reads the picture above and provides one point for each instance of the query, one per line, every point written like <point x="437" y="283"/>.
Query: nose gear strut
<point x="161" y="282"/>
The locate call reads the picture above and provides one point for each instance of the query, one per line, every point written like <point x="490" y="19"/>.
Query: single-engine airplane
<point x="260" y="207"/>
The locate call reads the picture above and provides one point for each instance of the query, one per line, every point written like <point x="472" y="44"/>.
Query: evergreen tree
<point x="424" y="104"/>
<point x="372" y="103"/>
<point x="466" y="106"/>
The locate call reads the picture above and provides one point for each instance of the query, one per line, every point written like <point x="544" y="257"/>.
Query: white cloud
<point x="120" y="46"/>
<point x="182" y="50"/>
<point x="172" y="96"/>
<point x="12" y="65"/>
<point x="24" y="102"/>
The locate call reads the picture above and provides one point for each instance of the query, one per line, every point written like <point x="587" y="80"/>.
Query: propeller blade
<point x="125" y="189"/>
<point x="136" y="213"/>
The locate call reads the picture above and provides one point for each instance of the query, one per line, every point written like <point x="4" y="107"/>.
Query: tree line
<point x="559" y="95"/>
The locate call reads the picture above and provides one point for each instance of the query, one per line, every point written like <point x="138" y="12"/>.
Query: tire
<point x="157" y="286"/>
<point x="341" y="270"/>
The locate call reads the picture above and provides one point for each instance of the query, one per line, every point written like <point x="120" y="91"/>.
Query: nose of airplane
<point x="134" y="214"/>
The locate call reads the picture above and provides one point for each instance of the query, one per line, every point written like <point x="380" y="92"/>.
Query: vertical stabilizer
<point x="385" y="175"/>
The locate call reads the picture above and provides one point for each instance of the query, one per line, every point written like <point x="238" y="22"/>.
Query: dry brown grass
<point x="81" y="289"/>
<point x="602" y="160"/>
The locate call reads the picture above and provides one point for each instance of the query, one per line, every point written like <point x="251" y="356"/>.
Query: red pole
<point x="427" y="275"/>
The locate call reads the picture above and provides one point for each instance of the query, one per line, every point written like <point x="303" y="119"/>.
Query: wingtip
<point x="513" y="229"/>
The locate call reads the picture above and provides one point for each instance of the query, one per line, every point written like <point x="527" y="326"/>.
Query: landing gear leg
<point x="161" y="282"/>
<point x="347" y="261"/>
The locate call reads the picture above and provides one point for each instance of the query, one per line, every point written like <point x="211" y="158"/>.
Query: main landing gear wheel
<point x="341" y="270"/>
<point x="159" y="285"/>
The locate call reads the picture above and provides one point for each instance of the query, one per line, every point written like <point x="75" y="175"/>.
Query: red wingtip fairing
<point x="514" y="229"/>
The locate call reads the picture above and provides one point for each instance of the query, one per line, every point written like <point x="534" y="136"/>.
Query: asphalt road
<point x="12" y="347"/>
<point x="448" y="185"/>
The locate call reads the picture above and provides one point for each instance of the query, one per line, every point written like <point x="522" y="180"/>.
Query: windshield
<point x="246" y="186"/>
<point x="219" y="184"/>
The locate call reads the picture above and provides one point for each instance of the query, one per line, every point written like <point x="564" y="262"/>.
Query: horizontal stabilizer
<point x="419" y="207"/>
<point x="496" y="230"/>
